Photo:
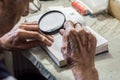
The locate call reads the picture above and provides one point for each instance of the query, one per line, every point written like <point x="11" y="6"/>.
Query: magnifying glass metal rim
<point x="54" y="31"/>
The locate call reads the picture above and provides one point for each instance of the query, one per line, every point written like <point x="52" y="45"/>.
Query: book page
<point x="56" y="47"/>
<point x="100" y="39"/>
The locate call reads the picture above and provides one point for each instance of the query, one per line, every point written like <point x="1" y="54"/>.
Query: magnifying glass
<point x="51" y="22"/>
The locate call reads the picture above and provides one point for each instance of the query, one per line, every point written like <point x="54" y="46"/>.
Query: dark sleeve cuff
<point x="3" y="71"/>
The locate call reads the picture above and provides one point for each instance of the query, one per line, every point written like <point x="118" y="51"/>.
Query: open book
<point x="55" y="50"/>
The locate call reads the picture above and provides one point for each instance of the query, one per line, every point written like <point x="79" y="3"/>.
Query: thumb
<point x="62" y="31"/>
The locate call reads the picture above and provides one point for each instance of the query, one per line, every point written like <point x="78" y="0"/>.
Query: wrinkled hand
<point x="79" y="45"/>
<point x="25" y="36"/>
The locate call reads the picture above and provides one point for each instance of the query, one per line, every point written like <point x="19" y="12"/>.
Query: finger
<point x="35" y="43"/>
<point x="68" y="25"/>
<point x="73" y="40"/>
<point x="83" y="43"/>
<point x="92" y="47"/>
<point x="78" y="27"/>
<point x="35" y="28"/>
<point x="89" y="35"/>
<point x="80" y="24"/>
<point x="50" y="37"/>
<point x="66" y="55"/>
<point x="75" y="48"/>
<point x="93" y="42"/>
<point x="64" y="44"/>
<point x="34" y="35"/>
<point x="30" y="27"/>
<point x="66" y="51"/>
<point x="78" y="51"/>
<point x="83" y="37"/>
<point x="62" y="31"/>
<point x="31" y="23"/>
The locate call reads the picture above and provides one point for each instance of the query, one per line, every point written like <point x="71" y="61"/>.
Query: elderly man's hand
<point x="79" y="47"/>
<point x="25" y="36"/>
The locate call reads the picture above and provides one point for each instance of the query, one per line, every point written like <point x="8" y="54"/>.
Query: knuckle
<point x="37" y="34"/>
<point x="82" y="31"/>
<point x="18" y="32"/>
<point x="21" y="26"/>
<point x="71" y="31"/>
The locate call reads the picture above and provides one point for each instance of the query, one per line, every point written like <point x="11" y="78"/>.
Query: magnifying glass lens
<point x="51" y="22"/>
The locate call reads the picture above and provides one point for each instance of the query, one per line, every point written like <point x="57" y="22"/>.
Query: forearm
<point x="85" y="74"/>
